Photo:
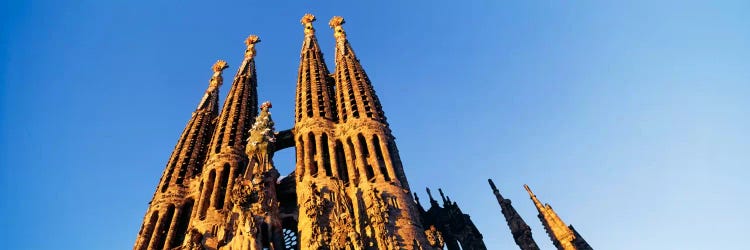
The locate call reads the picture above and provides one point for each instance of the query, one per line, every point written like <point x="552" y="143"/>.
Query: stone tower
<point x="518" y="227"/>
<point x="226" y="157"/>
<point x="563" y="237"/>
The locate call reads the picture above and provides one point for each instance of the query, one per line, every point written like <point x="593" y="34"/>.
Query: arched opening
<point x="366" y="155"/>
<point x="206" y="199"/>
<point x="341" y="162"/>
<point x="301" y="156"/>
<point x="149" y="230"/>
<point x="313" y="153"/>
<point x="380" y="158"/>
<point x="221" y="192"/>
<point x="183" y="218"/>
<point x="325" y="154"/>
<point x="163" y="228"/>
<point x="354" y="159"/>
<point x="289" y="233"/>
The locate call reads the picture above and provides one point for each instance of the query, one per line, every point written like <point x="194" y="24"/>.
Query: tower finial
<point x="307" y="21"/>
<point x="440" y="190"/>
<point x="536" y="201"/>
<point x="250" y="42"/>
<point x="338" y="31"/>
<point x="492" y="184"/>
<point x="266" y="105"/>
<point x="529" y="190"/>
<point x="429" y="194"/>
<point x="216" y="79"/>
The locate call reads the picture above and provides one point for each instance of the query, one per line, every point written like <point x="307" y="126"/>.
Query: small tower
<point x="563" y="237"/>
<point x="168" y="215"/>
<point x="226" y="157"/>
<point x="518" y="227"/>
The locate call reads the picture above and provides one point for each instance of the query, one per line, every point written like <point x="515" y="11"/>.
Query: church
<point x="220" y="189"/>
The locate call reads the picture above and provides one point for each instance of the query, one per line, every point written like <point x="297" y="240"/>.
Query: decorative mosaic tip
<point x="308" y="18"/>
<point x="252" y="40"/>
<point x="266" y="105"/>
<point x="336" y="21"/>
<point x="338" y="31"/>
<point x="219" y="66"/>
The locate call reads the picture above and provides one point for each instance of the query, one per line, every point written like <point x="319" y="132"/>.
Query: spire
<point x="538" y="204"/>
<point x="187" y="158"/>
<point x="433" y="202"/>
<point x="355" y="95"/>
<point x="445" y="201"/>
<point x="186" y="162"/>
<point x="210" y="99"/>
<point x="314" y="85"/>
<point x="241" y="104"/>
<point x="419" y="205"/>
<point x="561" y="235"/>
<point x="518" y="227"/>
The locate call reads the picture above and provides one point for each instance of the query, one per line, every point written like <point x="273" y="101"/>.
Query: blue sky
<point x="631" y="119"/>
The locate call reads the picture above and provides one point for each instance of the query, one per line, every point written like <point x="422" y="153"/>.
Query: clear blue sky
<point x="632" y="120"/>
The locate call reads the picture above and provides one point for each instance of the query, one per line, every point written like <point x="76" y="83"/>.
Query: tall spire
<point x="562" y="236"/>
<point x="188" y="155"/>
<point x="518" y="227"/>
<point x="226" y="158"/>
<point x="355" y="96"/>
<point x="314" y="85"/>
<point x="370" y="152"/>
<point x="241" y="105"/>
<point x="170" y="201"/>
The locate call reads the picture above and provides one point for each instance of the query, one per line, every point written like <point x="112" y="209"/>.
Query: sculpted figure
<point x="434" y="237"/>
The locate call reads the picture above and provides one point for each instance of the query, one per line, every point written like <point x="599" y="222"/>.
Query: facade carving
<point x="221" y="191"/>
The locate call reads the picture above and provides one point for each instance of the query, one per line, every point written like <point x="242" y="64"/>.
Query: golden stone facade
<point x="221" y="191"/>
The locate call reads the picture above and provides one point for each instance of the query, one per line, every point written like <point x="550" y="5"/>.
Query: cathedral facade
<point x="220" y="189"/>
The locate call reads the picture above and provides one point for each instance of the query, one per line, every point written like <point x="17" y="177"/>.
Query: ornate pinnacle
<point x="338" y="31"/>
<point x="217" y="80"/>
<point x="250" y="42"/>
<point x="307" y="20"/>
<point x="266" y="105"/>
